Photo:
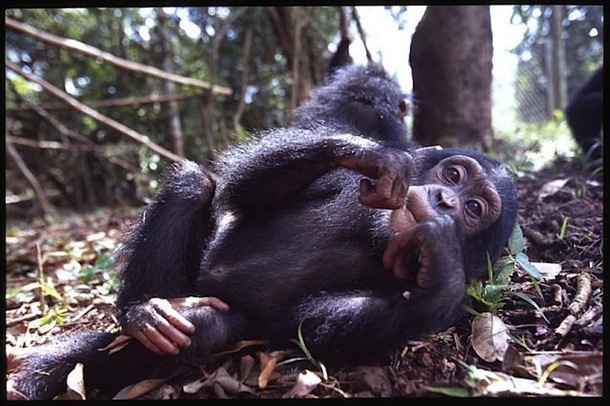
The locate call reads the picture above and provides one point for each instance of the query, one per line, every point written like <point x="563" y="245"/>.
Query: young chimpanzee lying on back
<point x="334" y="224"/>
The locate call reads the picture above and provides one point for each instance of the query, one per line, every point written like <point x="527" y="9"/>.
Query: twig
<point x="566" y="325"/>
<point x="83" y="108"/>
<point x="125" y="101"/>
<point x="583" y="290"/>
<point x="356" y="18"/>
<point x="108" y="57"/>
<point x="27" y="317"/>
<point x="43" y="304"/>
<point x="82" y="313"/>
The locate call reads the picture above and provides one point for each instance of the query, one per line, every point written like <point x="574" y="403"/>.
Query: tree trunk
<point x="172" y="113"/>
<point x="451" y="61"/>
<point x="556" y="65"/>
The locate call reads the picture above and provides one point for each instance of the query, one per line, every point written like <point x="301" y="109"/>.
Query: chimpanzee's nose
<point x="445" y="200"/>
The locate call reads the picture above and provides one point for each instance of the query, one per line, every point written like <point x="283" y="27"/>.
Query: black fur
<point x="280" y="235"/>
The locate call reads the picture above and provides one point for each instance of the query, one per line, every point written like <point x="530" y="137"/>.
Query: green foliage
<point x="101" y="270"/>
<point x="583" y="27"/>
<point x="300" y="342"/>
<point x="262" y="82"/>
<point x="527" y="147"/>
<point x="491" y="294"/>
<point x="453" y="391"/>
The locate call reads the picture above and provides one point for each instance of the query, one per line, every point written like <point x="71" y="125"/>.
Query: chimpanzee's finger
<point x="165" y="309"/>
<point x="153" y="340"/>
<point x="172" y="334"/>
<point x="197" y="301"/>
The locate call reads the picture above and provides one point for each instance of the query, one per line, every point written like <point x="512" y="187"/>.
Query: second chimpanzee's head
<point x="360" y="100"/>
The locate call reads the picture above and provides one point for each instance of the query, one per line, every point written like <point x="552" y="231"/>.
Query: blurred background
<point x="100" y="101"/>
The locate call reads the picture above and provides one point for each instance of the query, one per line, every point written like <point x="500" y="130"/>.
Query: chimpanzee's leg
<point x="41" y="372"/>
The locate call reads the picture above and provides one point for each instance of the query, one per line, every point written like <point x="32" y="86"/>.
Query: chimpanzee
<point x="335" y="226"/>
<point x="585" y="115"/>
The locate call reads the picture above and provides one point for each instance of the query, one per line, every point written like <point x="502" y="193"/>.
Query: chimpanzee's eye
<point x="452" y="174"/>
<point x="474" y="207"/>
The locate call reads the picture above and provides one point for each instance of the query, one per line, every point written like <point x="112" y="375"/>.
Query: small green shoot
<point x="562" y="230"/>
<point x="300" y="342"/>
<point x="553" y="366"/>
<point x="491" y="294"/>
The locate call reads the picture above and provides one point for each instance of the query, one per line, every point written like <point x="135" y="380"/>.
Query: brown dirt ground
<point x="437" y="361"/>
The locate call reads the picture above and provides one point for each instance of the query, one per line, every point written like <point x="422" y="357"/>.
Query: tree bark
<point x="172" y="113"/>
<point x="451" y="61"/>
<point x="557" y="66"/>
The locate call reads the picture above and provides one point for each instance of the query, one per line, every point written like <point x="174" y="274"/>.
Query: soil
<point x="563" y="226"/>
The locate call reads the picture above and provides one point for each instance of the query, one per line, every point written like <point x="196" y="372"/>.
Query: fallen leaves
<point x="490" y="337"/>
<point x="539" y="360"/>
<point x="306" y="382"/>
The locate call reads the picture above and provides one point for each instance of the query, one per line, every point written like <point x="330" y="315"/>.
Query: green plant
<point x="300" y="342"/>
<point x="492" y="293"/>
<point x="102" y="269"/>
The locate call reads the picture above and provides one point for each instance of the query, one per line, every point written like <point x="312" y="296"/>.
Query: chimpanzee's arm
<point x="266" y="172"/>
<point x="352" y="324"/>
<point x="161" y="254"/>
<point x="160" y="258"/>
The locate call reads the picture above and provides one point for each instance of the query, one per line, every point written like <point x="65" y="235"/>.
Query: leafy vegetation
<point x="492" y="292"/>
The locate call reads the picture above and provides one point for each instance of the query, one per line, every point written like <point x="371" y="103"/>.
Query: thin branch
<point x="64" y="132"/>
<point x="296" y="64"/>
<point x="115" y="60"/>
<point x="126" y="101"/>
<point x="46" y="144"/>
<point x="46" y="207"/>
<point x="244" y="78"/>
<point x="75" y="104"/>
<point x="369" y="57"/>
<point x="282" y="34"/>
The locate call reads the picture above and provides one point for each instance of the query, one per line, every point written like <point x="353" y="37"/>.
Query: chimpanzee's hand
<point x="427" y="255"/>
<point x="392" y="170"/>
<point x="159" y="326"/>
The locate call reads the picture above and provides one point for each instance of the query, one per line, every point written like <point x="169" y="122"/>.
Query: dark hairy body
<point x="335" y="224"/>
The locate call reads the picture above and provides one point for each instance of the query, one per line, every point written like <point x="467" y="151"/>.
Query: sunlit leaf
<point x="516" y="242"/>
<point x="528" y="267"/>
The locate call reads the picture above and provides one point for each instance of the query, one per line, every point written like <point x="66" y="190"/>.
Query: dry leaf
<point x="138" y="389"/>
<point x="498" y="383"/>
<point x="221" y="382"/>
<point x="75" y="385"/>
<point x="117" y="344"/>
<point x="572" y="368"/>
<point x="305" y="383"/>
<point x="268" y="362"/>
<point x="548" y="270"/>
<point x="490" y="337"/>
<point x="550" y="188"/>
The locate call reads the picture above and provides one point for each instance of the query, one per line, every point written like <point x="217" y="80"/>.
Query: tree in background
<point x="268" y="58"/>
<point x="451" y="59"/>
<point x="580" y="38"/>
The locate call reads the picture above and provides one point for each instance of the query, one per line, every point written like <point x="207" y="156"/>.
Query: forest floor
<point x="555" y="344"/>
